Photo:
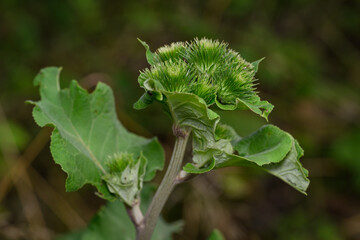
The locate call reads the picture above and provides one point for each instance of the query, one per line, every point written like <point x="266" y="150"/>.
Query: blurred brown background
<point x="311" y="74"/>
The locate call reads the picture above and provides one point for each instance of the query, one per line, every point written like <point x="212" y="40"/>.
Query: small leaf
<point x="253" y="103"/>
<point x="256" y="64"/>
<point x="216" y="235"/>
<point x="150" y="57"/>
<point x="190" y="168"/>
<point x="262" y="108"/>
<point x="87" y="132"/>
<point x="143" y="102"/>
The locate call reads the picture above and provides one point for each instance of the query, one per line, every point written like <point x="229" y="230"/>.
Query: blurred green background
<point x="311" y="73"/>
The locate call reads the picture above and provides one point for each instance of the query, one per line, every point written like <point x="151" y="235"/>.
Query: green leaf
<point x="150" y="57"/>
<point x="272" y="150"/>
<point x="224" y="131"/>
<point x="143" y="102"/>
<point x="190" y="168"/>
<point x="216" y="235"/>
<point x="113" y="223"/>
<point x="87" y="132"/>
<point x="253" y="103"/>
<point x="267" y="145"/>
<point x="188" y="110"/>
<point x="290" y="169"/>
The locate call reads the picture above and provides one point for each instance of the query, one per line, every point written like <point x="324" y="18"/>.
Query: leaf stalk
<point x="136" y="216"/>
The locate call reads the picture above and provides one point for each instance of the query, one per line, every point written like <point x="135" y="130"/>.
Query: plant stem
<point x="136" y="216"/>
<point x="167" y="184"/>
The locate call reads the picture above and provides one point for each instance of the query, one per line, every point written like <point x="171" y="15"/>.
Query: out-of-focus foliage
<point x="310" y="73"/>
<point x="112" y="223"/>
<point x="346" y="152"/>
<point x="216" y="235"/>
<point x="17" y="133"/>
<point x="294" y="227"/>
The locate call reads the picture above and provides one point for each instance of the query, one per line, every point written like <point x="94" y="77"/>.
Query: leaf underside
<point x="87" y="132"/>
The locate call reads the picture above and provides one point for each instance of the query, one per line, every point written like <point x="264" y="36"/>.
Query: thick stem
<point x="166" y="186"/>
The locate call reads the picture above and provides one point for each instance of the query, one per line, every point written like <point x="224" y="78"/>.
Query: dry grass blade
<point x="18" y="167"/>
<point x="56" y="202"/>
<point x="31" y="206"/>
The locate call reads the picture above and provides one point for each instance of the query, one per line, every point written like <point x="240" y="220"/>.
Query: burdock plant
<point x="190" y="80"/>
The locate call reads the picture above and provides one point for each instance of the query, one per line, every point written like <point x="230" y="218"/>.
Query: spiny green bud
<point x="125" y="177"/>
<point x="174" y="52"/>
<point x="170" y="76"/>
<point x="203" y="67"/>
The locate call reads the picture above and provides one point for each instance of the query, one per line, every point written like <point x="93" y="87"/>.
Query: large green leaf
<point x="113" y="223"/>
<point x="87" y="132"/>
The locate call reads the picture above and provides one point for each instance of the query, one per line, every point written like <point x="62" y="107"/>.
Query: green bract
<point x="125" y="177"/>
<point x="205" y="68"/>
<point x="188" y="78"/>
